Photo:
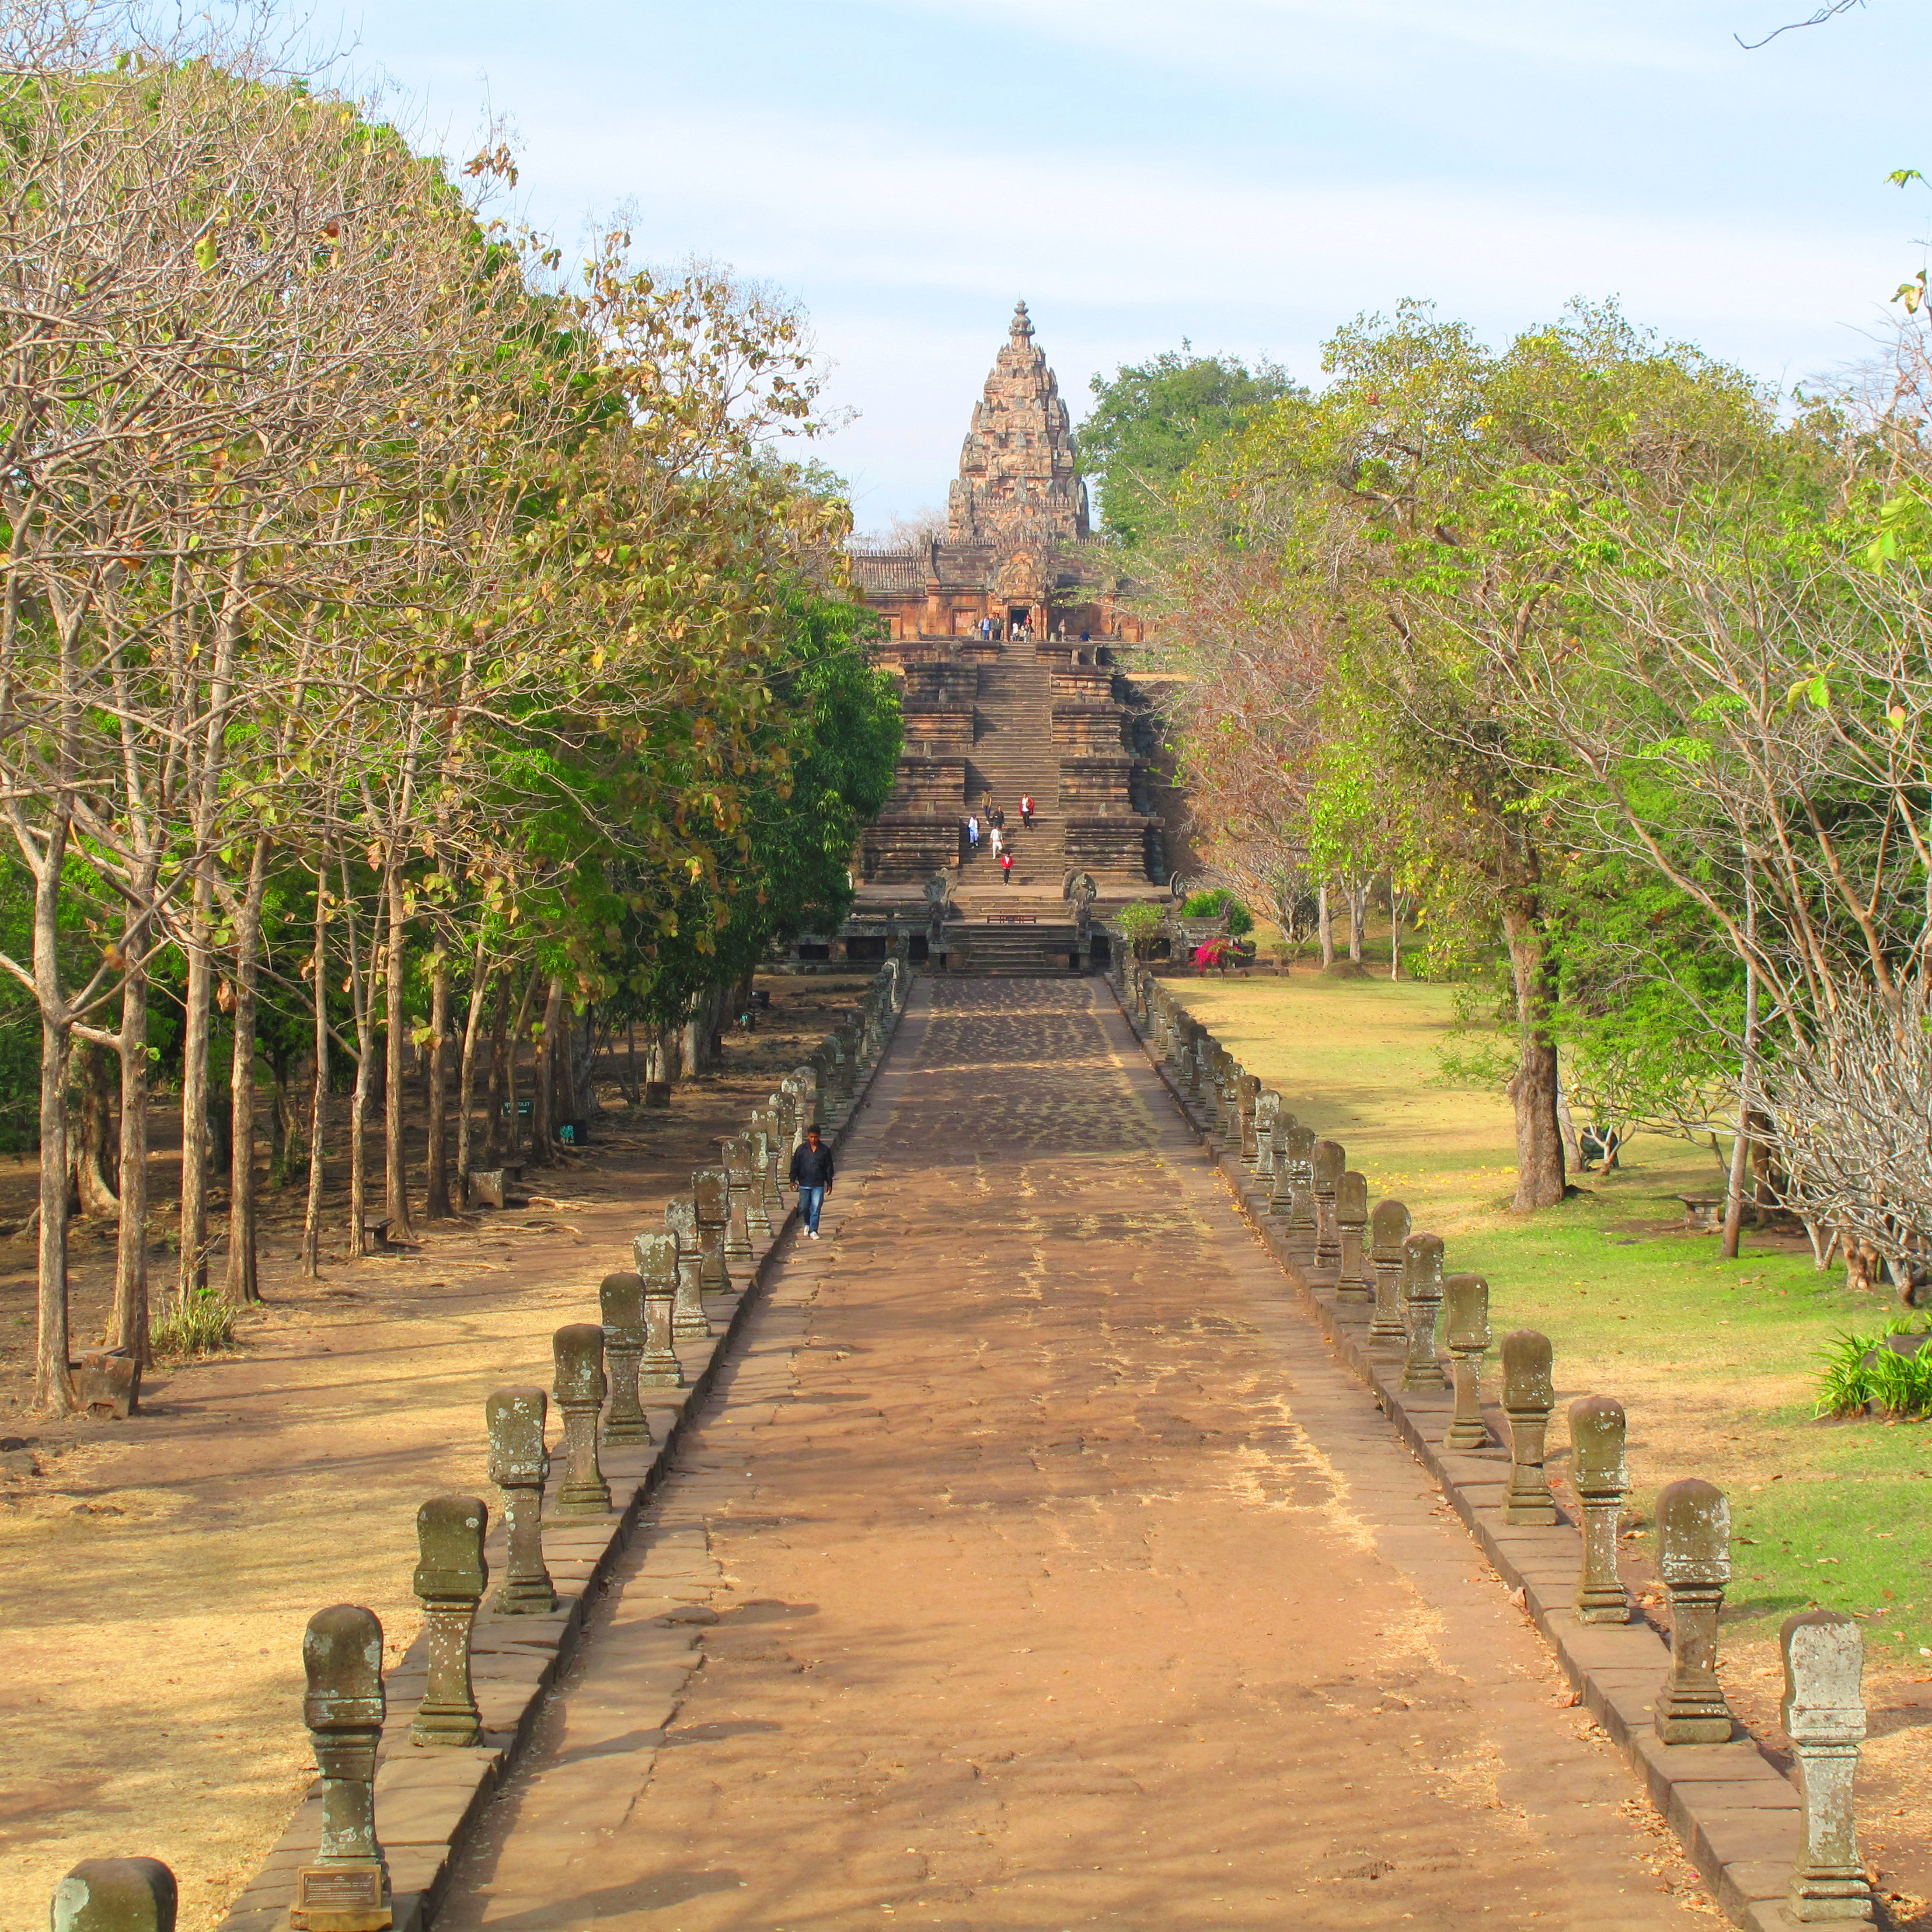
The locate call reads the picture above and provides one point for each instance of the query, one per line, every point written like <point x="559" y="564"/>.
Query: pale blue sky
<point x="1246" y="173"/>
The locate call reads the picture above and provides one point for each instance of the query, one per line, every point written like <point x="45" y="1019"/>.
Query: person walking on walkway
<point x="1006" y="868"/>
<point x="812" y="1173"/>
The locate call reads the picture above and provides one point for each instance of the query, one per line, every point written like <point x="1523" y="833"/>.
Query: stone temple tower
<point x="1017" y="480"/>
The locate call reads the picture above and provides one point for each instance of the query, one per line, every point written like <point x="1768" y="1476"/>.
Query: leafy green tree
<point x="1151" y="420"/>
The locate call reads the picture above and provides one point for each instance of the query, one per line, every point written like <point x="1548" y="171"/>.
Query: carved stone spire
<point x="1017" y="481"/>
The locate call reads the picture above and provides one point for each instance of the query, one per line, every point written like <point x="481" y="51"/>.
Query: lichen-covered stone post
<point x="657" y="1262"/>
<point x="519" y="1466"/>
<point x="1267" y="1110"/>
<point x="116" y="1895"/>
<point x="689" y="1321"/>
<point x="1602" y="1481"/>
<point x="620" y="1300"/>
<point x="1694" y="1559"/>
<point x="757" y="1205"/>
<point x="345" y="1887"/>
<point x="1465" y="1301"/>
<point x="1421" y="1307"/>
<point x="711" y="1191"/>
<point x="1247" y="1092"/>
<point x="1330" y="1160"/>
<point x="1388" y="1228"/>
<point x="1300" y="1229"/>
<point x="1823" y="1714"/>
<point x="1529" y="1394"/>
<point x="1354" y="1286"/>
<point x="736" y="1157"/>
<point x="578" y="1349"/>
<point x="450" y="1577"/>
<point x="1280" y="1181"/>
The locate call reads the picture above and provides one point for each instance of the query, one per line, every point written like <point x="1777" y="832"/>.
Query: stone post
<point x="1280" y="1179"/>
<point x="1354" y="1286"/>
<point x="1330" y="1161"/>
<point x="519" y="1464"/>
<point x="1267" y="1110"/>
<point x="657" y="1262"/>
<point x="1421" y="1307"/>
<point x="1528" y="1395"/>
<point x="1466" y="1300"/>
<point x="1388" y="1228"/>
<point x="1602" y="1482"/>
<point x="450" y="1577"/>
<point x="689" y="1321"/>
<point x="736" y="1157"/>
<point x="578" y="1391"/>
<point x="620" y="1299"/>
<point x="712" y="1193"/>
<point x="115" y="1895"/>
<point x="1247" y="1091"/>
<point x="1694" y="1558"/>
<point x="1300" y="1218"/>
<point x="759" y="1203"/>
<point x="1823" y="1714"/>
<point x="345" y="1887"/>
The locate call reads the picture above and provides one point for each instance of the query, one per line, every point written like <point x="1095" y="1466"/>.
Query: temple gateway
<point x="1004" y="635"/>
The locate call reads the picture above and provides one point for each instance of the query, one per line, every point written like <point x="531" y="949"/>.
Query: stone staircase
<point x="1015" y="952"/>
<point x="1013" y="755"/>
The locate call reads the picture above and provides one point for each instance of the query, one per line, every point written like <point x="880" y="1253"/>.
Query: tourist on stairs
<point x="1006" y="868"/>
<point x="812" y="1173"/>
<point x="972" y="832"/>
<point x="995" y="841"/>
<point x="1026" y="811"/>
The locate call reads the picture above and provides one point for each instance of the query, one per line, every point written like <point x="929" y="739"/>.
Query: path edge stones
<point x="1737" y="1816"/>
<point x="430" y="1802"/>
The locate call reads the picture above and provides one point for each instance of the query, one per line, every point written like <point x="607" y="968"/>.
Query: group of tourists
<point x="996" y="833"/>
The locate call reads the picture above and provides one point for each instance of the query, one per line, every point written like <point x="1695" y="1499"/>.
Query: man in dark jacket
<point x="812" y="1173"/>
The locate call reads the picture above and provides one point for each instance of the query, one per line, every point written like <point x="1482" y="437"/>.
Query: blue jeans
<point x="810" y="1201"/>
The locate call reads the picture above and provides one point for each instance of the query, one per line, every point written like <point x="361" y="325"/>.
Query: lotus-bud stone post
<point x="519" y="1464"/>
<point x="1694" y="1558"/>
<point x="450" y="1580"/>
<point x="1267" y="1109"/>
<point x="712" y="1193"/>
<point x="1388" y="1228"/>
<point x="116" y="1895"/>
<point x="1465" y="1299"/>
<point x="1247" y="1091"/>
<point x="1301" y="1228"/>
<point x="1421" y="1307"/>
<point x="621" y="1300"/>
<point x="1354" y="1286"/>
<point x="1330" y="1161"/>
<point x="757" y="1209"/>
<point x="578" y="1392"/>
<point x="689" y="1321"/>
<point x="345" y="1887"/>
<point x="1823" y="1714"/>
<point x="736" y="1156"/>
<point x="657" y="1262"/>
<point x="1528" y="1395"/>
<point x="1280" y="1179"/>
<point x="1602" y="1481"/>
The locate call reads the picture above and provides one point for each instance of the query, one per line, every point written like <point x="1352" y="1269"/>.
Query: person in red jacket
<point x="1006" y="868"/>
<point x="1026" y="811"/>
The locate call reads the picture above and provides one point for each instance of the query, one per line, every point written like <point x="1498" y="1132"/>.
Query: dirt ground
<point x="155" y="1575"/>
<point x="1059" y="1578"/>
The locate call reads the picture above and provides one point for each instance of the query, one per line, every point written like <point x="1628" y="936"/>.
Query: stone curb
<point x="1735" y="1814"/>
<point x="430" y="1799"/>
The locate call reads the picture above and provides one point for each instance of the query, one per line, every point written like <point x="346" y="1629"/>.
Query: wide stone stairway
<point x="1036" y="1567"/>
<point x="1013" y="756"/>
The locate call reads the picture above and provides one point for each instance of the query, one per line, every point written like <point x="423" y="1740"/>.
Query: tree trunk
<point x="1539" y="1139"/>
<point x="243" y="1276"/>
<point x="1355" y="890"/>
<point x="543" y="1110"/>
<point x="500" y="1086"/>
<point x="192" y="1274"/>
<point x="129" y="1328"/>
<point x="91" y="1150"/>
<point x="53" y="1387"/>
<point x="436" y="1160"/>
<point x="466" y="1074"/>
<point x="318" y="966"/>
<point x="395" y="1174"/>
<point x="1325" y="924"/>
<point x="1395" y="932"/>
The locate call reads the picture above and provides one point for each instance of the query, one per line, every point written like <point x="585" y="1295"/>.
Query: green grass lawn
<point x="1713" y="1360"/>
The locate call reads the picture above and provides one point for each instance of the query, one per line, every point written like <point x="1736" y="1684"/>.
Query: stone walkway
<point x="1036" y="1568"/>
